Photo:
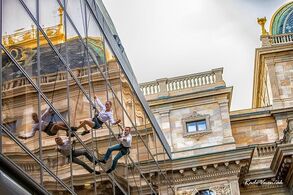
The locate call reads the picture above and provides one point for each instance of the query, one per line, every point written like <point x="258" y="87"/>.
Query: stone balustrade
<point x="269" y="40"/>
<point x="48" y="78"/>
<point x="266" y="149"/>
<point x="29" y="35"/>
<point x="14" y="83"/>
<point x="281" y="39"/>
<point x="165" y="86"/>
<point x="150" y="88"/>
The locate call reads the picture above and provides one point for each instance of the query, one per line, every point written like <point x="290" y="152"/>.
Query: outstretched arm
<point x="46" y="113"/>
<point x="112" y="121"/>
<point x="99" y="103"/>
<point x="31" y="134"/>
<point x="120" y="126"/>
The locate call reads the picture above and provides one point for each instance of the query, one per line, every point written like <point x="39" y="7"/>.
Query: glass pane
<point x="20" y="105"/>
<point x="205" y="192"/>
<point x="76" y="11"/>
<point x="52" y="21"/>
<point x="191" y="127"/>
<point x="31" y="167"/>
<point x="20" y="38"/>
<point x="32" y="6"/>
<point x="201" y="125"/>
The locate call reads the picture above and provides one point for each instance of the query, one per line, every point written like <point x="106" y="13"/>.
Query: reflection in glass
<point x="79" y="68"/>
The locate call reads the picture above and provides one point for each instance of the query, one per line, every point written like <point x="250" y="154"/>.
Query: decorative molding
<point x="222" y="189"/>
<point x="196" y="117"/>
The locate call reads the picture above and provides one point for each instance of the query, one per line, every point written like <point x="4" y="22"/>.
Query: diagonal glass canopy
<point x="57" y="58"/>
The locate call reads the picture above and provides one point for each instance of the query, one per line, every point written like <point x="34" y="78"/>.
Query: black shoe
<point x="67" y="134"/>
<point x="102" y="161"/>
<point x="97" y="172"/>
<point x="84" y="133"/>
<point x="109" y="171"/>
<point x="73" y="128"/>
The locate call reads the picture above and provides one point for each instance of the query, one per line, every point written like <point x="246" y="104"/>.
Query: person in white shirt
<point x="49" y="128"/>
<point x="104" y="115"/>
<point x="64" y="149"/>
<point x="125" y="143"/>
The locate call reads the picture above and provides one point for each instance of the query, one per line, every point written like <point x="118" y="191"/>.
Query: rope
<point x="115" y="113"/>
<point x="57" y="169"/>
<point x="53" y="94"/>
<point x="78" y="91"/>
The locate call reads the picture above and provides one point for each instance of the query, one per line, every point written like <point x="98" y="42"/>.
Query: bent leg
<point x="90" y="157"/>
<point x="110" y="150"/>
<point x="84" y="123"/>
<point x="115" y="161"/>
<point x="56" y="127"/>
<point x="83" y="164"/>
<point x="62" y="126"/>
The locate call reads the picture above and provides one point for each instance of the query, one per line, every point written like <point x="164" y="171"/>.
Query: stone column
<point x="227" y="130"/>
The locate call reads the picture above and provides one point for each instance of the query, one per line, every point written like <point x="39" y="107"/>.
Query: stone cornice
<point x="195" y="95"/>
<point x="206" y="176"/>
<point x="244" y="153"/>
<point x="250" y="114"/>
<point x="257" y="113"/>
<point x="238" y="156"/>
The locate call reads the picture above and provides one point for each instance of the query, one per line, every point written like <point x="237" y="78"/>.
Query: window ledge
<point x="198" y="134"/>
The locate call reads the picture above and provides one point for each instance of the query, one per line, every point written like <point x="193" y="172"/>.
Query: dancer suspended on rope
<point x="123" y="147"/>
<point x="103" y="115"/>
<point x="64" y="149"/>
<point x="50" y="128"/>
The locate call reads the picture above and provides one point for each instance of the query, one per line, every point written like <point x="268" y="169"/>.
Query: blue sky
<point x="166" y="38"/>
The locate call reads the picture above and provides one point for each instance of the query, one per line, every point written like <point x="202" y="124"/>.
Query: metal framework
<point x="91" y="12"/>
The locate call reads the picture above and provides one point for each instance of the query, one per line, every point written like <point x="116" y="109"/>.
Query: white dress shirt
<point x="35" y="126"/>
<point x="65" y="148"/>
<point x="103" y="114"/>
<point x="126" y="140"/>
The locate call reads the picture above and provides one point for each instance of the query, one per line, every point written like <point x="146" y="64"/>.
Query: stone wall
<point x="255" y="131"/>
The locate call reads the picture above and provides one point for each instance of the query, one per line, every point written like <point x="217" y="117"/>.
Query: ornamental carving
<point x="288" y="132"/>
<point x="196" y="117"/>
<point x="222" y="190"/>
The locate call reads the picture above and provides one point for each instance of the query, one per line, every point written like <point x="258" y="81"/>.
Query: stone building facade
<point x="236" y="152"/>
<point x="213" y="150"/>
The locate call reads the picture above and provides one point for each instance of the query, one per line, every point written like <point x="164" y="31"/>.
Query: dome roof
<point x="282" y="20"/>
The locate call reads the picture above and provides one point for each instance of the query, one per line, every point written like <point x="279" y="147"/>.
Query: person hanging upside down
<point x="100" y="118"/>
<point x="64" y="149"/>
<point x="123" y="147"/>
<point x="49" y="128"/>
